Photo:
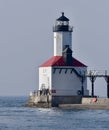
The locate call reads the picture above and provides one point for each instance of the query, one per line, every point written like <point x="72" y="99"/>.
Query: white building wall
<point x="45" y="75"/>
<point x="60" y="40"/>
<point x="83" y="71"/>
<point x="63" y="82"/>
<point x="67" y="83"/>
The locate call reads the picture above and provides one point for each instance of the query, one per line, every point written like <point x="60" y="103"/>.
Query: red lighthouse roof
<point x="59" y="61"/>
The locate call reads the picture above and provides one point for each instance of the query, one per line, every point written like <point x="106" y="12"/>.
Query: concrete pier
<point x="51" y="101"/>
<point x="41" y="101"/>
<point x="89" y="103"/>
<point x="45" y="101"/>
<point x="85" y="106"/>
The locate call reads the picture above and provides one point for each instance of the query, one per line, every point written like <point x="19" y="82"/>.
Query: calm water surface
<point x="15" y="117"/>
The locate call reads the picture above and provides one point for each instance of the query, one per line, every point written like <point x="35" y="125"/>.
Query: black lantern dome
<point x="62" y="24"/>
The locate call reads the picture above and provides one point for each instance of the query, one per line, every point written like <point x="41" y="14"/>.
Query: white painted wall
<point x="57" y="44"/>
<point x="67" y="39"/>
<point x="64" y="83"/>
<point x="67" y="84"/>
<point x="45" y="76"/>
<point x="60" y="40"/>
<point x="83" y="70"/>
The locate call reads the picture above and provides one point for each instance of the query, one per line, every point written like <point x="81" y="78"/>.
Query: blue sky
<point x="26" y="39"/>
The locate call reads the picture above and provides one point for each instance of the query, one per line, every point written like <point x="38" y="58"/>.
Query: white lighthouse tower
<point x="63" y="75"/>
<point x="62" y="35"/>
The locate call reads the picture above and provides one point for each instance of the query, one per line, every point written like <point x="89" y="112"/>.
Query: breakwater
<point x="47" y="101"/>
<point x="52" y="101"/>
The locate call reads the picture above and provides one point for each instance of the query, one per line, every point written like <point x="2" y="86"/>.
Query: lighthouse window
<point x="66" y="22"/>
<point x="57" y="22"/>
<point x="62" y="22"/>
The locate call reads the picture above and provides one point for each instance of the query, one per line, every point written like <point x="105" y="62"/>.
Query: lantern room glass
<point x="62" y="23"/>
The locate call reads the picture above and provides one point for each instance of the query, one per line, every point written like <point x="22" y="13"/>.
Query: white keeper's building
<point x="63" y="74"/>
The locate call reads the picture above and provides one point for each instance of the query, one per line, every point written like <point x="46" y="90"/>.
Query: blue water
<point x="15" y="117"/>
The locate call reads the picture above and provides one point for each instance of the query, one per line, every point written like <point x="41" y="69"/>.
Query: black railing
<point x="62" y="28"/>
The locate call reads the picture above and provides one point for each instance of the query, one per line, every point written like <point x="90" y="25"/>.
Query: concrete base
<point x="42" y="101"/>
<point x="89" y="103"/>
<point x="95" y="101"/>
<point x="85" y="106"/>
<point x="74" y="102"/>
<point x="53" y="101"/>
<point x="56" y="100"/>
<point x="38" y="105"/>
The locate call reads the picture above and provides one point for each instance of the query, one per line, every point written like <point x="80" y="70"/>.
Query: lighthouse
<point x="63" y="75"/>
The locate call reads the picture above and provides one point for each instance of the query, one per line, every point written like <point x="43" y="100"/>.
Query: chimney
<point x="67" y="54"/>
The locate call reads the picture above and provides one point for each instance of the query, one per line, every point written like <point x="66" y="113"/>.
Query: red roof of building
<point x="59" y="61"/>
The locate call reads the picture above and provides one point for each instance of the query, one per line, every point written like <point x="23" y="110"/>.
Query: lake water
<point x="15" y="117"/>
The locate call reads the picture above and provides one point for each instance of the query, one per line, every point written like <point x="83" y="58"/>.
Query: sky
<point x="26" y="40"/>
